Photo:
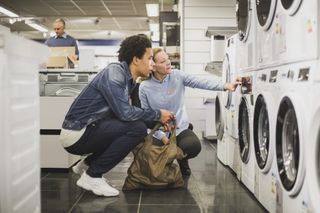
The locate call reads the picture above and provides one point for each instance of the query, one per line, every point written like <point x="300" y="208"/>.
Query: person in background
<point x="165" y="89"/>
<point x="62" y="39"/>
<point x="102" y="124"/>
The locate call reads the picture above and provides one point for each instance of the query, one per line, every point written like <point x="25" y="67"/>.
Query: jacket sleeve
<point x="113" y="87"/>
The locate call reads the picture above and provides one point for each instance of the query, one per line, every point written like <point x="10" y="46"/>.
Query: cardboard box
<point x="62" y="57"/>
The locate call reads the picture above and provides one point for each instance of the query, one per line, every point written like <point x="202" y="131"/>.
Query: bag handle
<point x="158" y="125"/>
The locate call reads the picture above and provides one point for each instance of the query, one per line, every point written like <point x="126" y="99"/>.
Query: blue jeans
<point x="108" y="142"/>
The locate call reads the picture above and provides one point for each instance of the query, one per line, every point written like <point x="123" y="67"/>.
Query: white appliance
<point x="292" y="129"/>
<point x="52" y="113"/>
<point x="220" y="128"/>
<point x="58" y="89"/>
<point x="245" y="128"/>
<point x="231" y="104"/>
<point x="313" y="151"/>
<point x="246" y="24"/>
<point x="297" y="30"/>
<point x="229" y="74"/>
<point x="19" y="121"/>
<point x="264" y="126"/>
<point x="266" y="31"/>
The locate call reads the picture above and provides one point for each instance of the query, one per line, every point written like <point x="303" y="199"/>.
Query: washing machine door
<point x="261" y="132"/>
<point x="243" y="13"/>
<point x="291" y="6"/>
<point x="227" y="79"/>
<point x="244" y="131"/>
<point x="313" y="163"/>
<point x="265" y="12"/>
<point x="288" y="144"/>
<point x="219" y="116"/>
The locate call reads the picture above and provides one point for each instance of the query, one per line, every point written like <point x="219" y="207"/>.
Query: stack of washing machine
<point x="275" y="116"/>
<point x="244" y="96"/>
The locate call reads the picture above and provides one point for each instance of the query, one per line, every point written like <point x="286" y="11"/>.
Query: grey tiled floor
<point x="211" y="188"/>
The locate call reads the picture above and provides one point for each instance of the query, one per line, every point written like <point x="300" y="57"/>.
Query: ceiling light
<point x="12" y="20"/>
<point x="152" y="10"/>
<point x="35" y="25"/>
<point x="8" y="12"/>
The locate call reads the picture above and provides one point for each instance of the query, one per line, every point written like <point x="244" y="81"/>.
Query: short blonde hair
<point x="155" y="52"/>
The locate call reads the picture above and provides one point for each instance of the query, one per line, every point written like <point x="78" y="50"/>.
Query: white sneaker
<point x="97" y="185"/>
<point x="80" y="167"/>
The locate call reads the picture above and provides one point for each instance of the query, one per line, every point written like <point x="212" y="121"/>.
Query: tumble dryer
<point x="297" y="30"/>
<point x="246" y="24"/>
<point x="264" y="125"/>
<point x="292" y="129"/>
<point x="313" y="150"/>
<point x="245" y="127"/>
<point x="266" y="31"/>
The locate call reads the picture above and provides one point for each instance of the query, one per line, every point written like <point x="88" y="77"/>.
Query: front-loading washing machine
<point x="292" y="129"/>
<point x="265" y="32"/>
<point x="313" y="151"/>
<point x="264" y="125"/>
<point x="230" y="71"/>
<point x="246" y="24"/>
<point x="245" y="129"/>
<point x="297" y="30"/>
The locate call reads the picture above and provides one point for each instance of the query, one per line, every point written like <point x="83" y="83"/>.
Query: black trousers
<point x="108" y="142"/>
<point x="188" y="141"/>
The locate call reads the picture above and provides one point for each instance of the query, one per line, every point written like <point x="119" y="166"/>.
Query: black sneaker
<point x="184" y="167"/>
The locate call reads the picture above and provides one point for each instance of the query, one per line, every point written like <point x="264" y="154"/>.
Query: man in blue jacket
<point x="103" y="124"/>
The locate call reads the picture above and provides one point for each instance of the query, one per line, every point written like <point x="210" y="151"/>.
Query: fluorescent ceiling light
<point x="152" y="10"/>
<point x="36" y="26"/>
<point x="8" y="12"/>
<point x="154" y="27"/>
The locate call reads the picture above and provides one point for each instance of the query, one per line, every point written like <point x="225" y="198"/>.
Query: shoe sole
<point x="76" y="171"/>
<point x="88" y="188"/>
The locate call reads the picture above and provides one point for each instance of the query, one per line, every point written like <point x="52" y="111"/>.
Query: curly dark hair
<point x="133" y="46"/>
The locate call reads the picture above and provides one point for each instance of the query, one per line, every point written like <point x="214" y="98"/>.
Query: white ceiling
<point x="85" y="19"/>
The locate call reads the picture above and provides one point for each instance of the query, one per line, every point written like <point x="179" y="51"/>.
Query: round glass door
<point x="227" y="79"/>
<point x="244" y="131"/>
<point x="218" y="119"/>
<point x="291" y="6"/>
<point x="261" y="133"/>
<point x="287" y="144"/>
<point x="265" y="12"/>
<point x="243" y="18"/>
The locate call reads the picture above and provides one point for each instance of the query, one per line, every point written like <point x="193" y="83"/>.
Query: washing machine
<point x="265" y="31"/>
<point x="230" y="71"/>
<point x="246" y="24"/>
<point x="297" y="30"/>
<point x="223" y="100"/>
<point x="245" y="131"/>
<point x="264" y="125"/>
<point x="292" y="129"/>
<point x="313" y="150"/>
<point x="229" y="74"/>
